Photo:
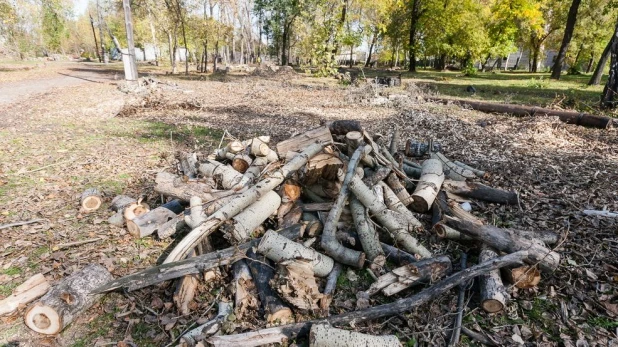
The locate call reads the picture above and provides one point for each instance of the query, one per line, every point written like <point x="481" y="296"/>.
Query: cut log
<point x="302" y="141"/>
<point x="322" y="166"/>
<point x="174" y="187"/>
<point x="291" y="190"/>
<point x="397" y="255"/>
<point x="313" y="224"/>
<point x="292" y="217"/>
<point x="225" y="176"/>
<point x="425" y="271"/>
<point x="209" y="328"/>
<point x="342" y="127"/>
<point x="278" y="248"/>
<point x="258" y="148"/>
<point x="570" y="117"/>
<point x="330" y="286"/>
<point x="240" y="227"/>
<point x="523" y="277"/>
<point x="323" y="335"/>
<point x="386" y="218"/>
<point x="188" y="164"/>
<point x="241" y="162"/>
<point x="282" y="333"/>
<point x="134" y="210"/>
<point x="494" y="296"/>
<point x="353" y="139"/>
<point x="244" y="300"/>
<point x="372" y="177"/>
<point x="393" y="203"/>
<point x="317" y="206"/>
<point x="197" y="215"/>
<point x="275" y="310"/>
<point x="367" y="234"/>
<point x="90" y="200"/>
<point x="120" y="202"/>
<point x="411" y="171"/>
<point x="399" y="190"/>
<point x="295" y="283"/>
<point x="194" y="265"/>
<point x="151" y="222"/>
<point x="506" y="240"/>
<point x="240" y="203"/>
<point x="67" y="300"/>
<point x="33" y="288"/>
<point x="477" y="172"/>
<point x="254" y="171"/>
<point x="329" y="242"/>
<point x="428" y="186"/>
<point x="452" y="170"/>
<point x="394" y="142"/>
<point x="480" y="191"/>
<point x="325" y="189"/>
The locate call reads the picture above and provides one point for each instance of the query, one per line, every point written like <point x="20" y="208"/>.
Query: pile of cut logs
<point x="294" y="217"/>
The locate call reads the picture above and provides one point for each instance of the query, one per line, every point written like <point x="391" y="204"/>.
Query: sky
<point x="79" y="7"/>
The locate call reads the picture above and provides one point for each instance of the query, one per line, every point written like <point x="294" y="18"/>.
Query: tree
<point x="610" y="92"/>
<point x="416" y="12"/>
<point x="566" y="40"/>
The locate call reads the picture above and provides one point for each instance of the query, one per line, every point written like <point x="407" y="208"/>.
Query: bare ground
<point x="56" y="144"/>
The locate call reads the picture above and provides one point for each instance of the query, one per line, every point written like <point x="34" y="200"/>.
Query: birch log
<point x="421" y="272"/>
<point x="241" y="162"/>
<point x="240" y="203"/>
<point x="393" y="203"/>
<point x="209" y="328"/>
<point x="174" y="187"/>
<point x="394" y="142"/>
<point x="90" y="200"/>
<point x="151" y="222"/>
<point x="225" y="176"/>
<point x="323" y="335"/>
<point x="428" y="186"/>
<point x="452" y="170"/>
<point x="368" y="236"/>
<point x="330" y="286"/>
<point x="33" y="288"/>
<point x="241" y="226"/>
<point x="67" y="300"/>
<point x="494" y="296"/>
<point x="399" y="190"/>
<point x="278" y="248"/>
<point x="329" y="242"/>
<point x="387" y="218"/>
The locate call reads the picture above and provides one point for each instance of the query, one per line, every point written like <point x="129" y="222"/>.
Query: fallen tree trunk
<point x="494" y="296"/>
<point x="151" y="222"/>
<point x="287" y="332"/>
<point x="421" y="272"/>
<point x="240" y="203"/>
<point x="570" y="117"/>
<point x="506" y="240"/>
<point x="90" y="200"/>
<point x="194" y="265"/>
<point x="67" y="300"/>
<point x="275" y="310"/>
<point x="323" y="335"/>
<point x="33" y="288"/>
<point x="278" y="248"/>
<point x="480" y="191"/>
<point x="387" y="218"/>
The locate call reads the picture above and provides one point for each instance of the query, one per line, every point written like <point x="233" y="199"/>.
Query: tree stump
<point x="90" y="200"/>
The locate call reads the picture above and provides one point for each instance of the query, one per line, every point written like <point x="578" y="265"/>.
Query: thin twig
<point x="16" y="224"/>
<point x="460" y="305"/>
<point x="76" y="243"/>
<point x="216" y="300"/>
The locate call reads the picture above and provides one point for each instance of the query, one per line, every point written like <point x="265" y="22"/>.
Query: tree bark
<point x="480" y="191"/>
<point x="494" y="296"/>
<point x="374" y="40"/>
<point x="566" y="39"/>
<point x="175" y="187"/>
<point x="67" y="300"/>
<point x="152" y="221"/>
<point x="452" y="170"/>
<point x="427" y="189"/>
<point x="415" y="16"/>
<point x="278" y="334"/>
<point x="595" y="79"/>
<point x="90" y="200"/>
<point x="393" y="203"/>
<point x="610" y="92"/>
<point x="425" y="271"/>
<point x="240" y="228"/>
<point x="300" y="142"/>
<point x="323" y="335"/>
<point x="194" y="265"/>
<point x="368" y="236"/>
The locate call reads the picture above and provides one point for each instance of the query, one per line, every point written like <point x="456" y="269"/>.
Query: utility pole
<point x="130" y="67"/>
<point x="100" y="19"/>
<point x="96" y="45"/>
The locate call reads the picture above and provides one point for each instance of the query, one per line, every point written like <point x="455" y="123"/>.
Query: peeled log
<point x="151" y="222"/>
<point x="276" y="311"/>
<point x="387" y="218"/>
<point x="238" y="204"/>
<point x="30" y="290"/>
<point x="278" y="248"/>
<point x="323" y="335"/>
<point x="242" y="225"/>
<point x="428" y="186"/>
<point x="480" y="191"/>
<point x="506" y="240"/>
<point x="90" y="200"/>
<point x="425" y="271"/>
<point x="67" y="300"/>
<point x="494" y="296"/>
<point x="174" y="187"/>
<point x="304" y="140"/>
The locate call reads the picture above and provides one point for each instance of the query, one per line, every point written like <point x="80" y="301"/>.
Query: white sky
<point x="79" y="7"/>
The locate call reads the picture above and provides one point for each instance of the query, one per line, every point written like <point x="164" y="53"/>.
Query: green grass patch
<point x="7" y="289"/>
<point x="603" y="322"/>
<point x="11" y="271"/>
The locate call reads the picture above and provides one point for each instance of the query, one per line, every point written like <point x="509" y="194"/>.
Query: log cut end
<point x="283" y="316"/>
<point x="492" y="305"/>
<point x="43" y="319"/>
<point x="91" y="200"/>
<point x="419" y="204"/>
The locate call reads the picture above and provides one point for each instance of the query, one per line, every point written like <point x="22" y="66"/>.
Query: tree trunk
<point x="589" y="66"/>
<point x="323" y="335"/>
<point x="90" y="200"/>
<point x="67" y="300"/>
<point x="374" y="40"/>
<point x="566" y="39"/>
<point x="415" y="16"/>
<point x="610" y="92"/>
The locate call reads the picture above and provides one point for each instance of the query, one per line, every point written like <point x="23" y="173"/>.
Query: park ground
<point x="70" y="127"/>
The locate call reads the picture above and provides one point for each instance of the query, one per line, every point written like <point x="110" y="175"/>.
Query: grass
<point x="13" y="270"/>
<point x="7" y="289"/>
<point x="603" y="322"/>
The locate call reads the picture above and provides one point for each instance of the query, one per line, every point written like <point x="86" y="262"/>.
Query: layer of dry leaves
<point x="55" y="145"/>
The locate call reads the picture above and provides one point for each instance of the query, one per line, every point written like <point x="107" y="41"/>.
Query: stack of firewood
<point x="296" y="213"/>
